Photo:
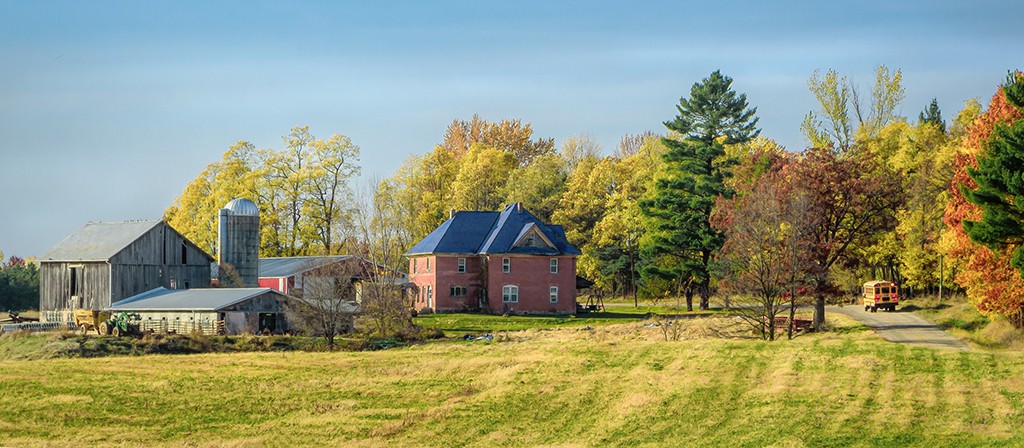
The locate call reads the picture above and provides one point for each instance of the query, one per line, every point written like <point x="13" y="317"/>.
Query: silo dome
<point x="242" y="207"/>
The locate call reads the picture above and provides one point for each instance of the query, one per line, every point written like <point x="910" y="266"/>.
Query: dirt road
<point x="902" y="327"/>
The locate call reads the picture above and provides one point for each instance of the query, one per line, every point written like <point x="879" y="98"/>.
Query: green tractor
<point x="121" y="324"/>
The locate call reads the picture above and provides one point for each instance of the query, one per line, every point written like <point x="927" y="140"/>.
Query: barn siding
<point x="137" y="268"/>
<point x="55" y="285"/>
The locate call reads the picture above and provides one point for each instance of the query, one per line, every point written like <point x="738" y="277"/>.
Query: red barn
<point x="498" y="262"/>
<point x="286" y="273"/>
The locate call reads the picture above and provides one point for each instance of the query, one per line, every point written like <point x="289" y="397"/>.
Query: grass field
<point x="612" y="385"/>
<point x="456" y="324"/>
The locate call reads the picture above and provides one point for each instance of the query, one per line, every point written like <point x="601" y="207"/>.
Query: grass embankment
<point x="32" y="346"/>
<point x="962" y="319"/>
<point x="614" y="385"/>
<point x="457" y="324"/>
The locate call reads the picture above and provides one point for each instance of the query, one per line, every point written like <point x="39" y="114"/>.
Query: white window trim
<point x="553" y="266"/>
<point x="507" y="295"/>
<point x="506" y="265"/>
<point x="553" y="294"/>
<point x="462" y="265"/>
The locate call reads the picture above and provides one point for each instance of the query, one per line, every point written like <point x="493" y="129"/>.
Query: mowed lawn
<point x="614" y="385"/>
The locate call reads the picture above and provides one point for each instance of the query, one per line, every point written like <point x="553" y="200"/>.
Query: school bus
<point x="880" y="294"/>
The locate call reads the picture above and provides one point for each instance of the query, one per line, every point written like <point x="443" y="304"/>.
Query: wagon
<point x="91" y="320"/>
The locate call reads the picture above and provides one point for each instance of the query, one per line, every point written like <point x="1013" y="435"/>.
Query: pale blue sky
<point x="107" y="109"/>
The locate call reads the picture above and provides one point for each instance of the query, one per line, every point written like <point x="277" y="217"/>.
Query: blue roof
<point x="493" y="233"/>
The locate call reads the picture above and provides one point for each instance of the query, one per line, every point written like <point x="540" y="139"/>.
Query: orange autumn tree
<point x="994" y="286"/>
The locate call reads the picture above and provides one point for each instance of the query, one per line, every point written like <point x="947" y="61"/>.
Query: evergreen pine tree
<point x="932" y="114"/>
<point x="682" y="241"/>
<point x="1000" y="183"/>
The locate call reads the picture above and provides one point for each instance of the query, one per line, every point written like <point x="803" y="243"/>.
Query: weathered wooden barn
<point x="105" y="262"/>
<point x="209" y="310"/>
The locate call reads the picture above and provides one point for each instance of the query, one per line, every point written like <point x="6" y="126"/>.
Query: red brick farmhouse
<point x="495" y="262"/>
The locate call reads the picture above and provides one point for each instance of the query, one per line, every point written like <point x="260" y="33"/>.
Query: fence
<point x="37" y="326"/>
<point x="206" y="327"/>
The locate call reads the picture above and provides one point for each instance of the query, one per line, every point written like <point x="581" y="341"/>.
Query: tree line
<point x="706" y="206"/>
<point x="19" y="284"/>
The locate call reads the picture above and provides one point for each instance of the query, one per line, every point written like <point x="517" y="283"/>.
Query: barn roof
<point x="289" y="266"/>
<point x="98" y="241"/>
<point x="197" y="299"/>
<point x="492" y="233"/>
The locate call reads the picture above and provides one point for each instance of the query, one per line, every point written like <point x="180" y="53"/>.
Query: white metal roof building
<point x="209" y="310"/>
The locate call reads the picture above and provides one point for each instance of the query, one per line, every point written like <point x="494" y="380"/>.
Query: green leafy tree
<point x="19" y="285"/>
<point x="614" y="246"/>
<point x="696" y="169"/>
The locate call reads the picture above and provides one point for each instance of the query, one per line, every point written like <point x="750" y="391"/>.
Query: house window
<point x="510" y="293"/>
<point x="428" y="265"/>
<point x="458" y="291"/>
<point x="430" y="295"/>
<point x="554" y="265"/>
<point x="184" y="254"/>
<point x="462" y="265"/>
<point x="506" y="265"/>
<point x="415" y="264"/>
<point x="553" y="294"/>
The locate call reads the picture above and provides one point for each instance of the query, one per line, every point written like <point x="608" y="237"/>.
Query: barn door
<point x="268" y="322"/>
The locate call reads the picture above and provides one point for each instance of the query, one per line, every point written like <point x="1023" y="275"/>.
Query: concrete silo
<point x="238" y="244"/>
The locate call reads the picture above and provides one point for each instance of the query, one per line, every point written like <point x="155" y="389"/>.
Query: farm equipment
<point x="91" y="320"/>
<point x="124" y="324"/>
<point x="106" y="323"/>
<point x="13" y="317"/>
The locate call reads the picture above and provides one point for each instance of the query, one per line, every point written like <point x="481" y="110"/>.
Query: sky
<point x="108" y="109"/>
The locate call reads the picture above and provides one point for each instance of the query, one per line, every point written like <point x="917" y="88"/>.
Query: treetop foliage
<point x="833" y="126"/>
<point x="932" y="114"/>
<point x="714" y="110"/>
<point x="302" y="191"/>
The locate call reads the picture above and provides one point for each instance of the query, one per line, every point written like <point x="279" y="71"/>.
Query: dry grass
<point x="614" y="385"/>
<point x="963" y="320"/>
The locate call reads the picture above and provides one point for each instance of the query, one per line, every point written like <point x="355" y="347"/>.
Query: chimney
<point x="519" y="207"/>
<point x="451" y="213"/>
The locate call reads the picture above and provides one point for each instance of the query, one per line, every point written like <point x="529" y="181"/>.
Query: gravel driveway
<point x="902" y="327"/>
